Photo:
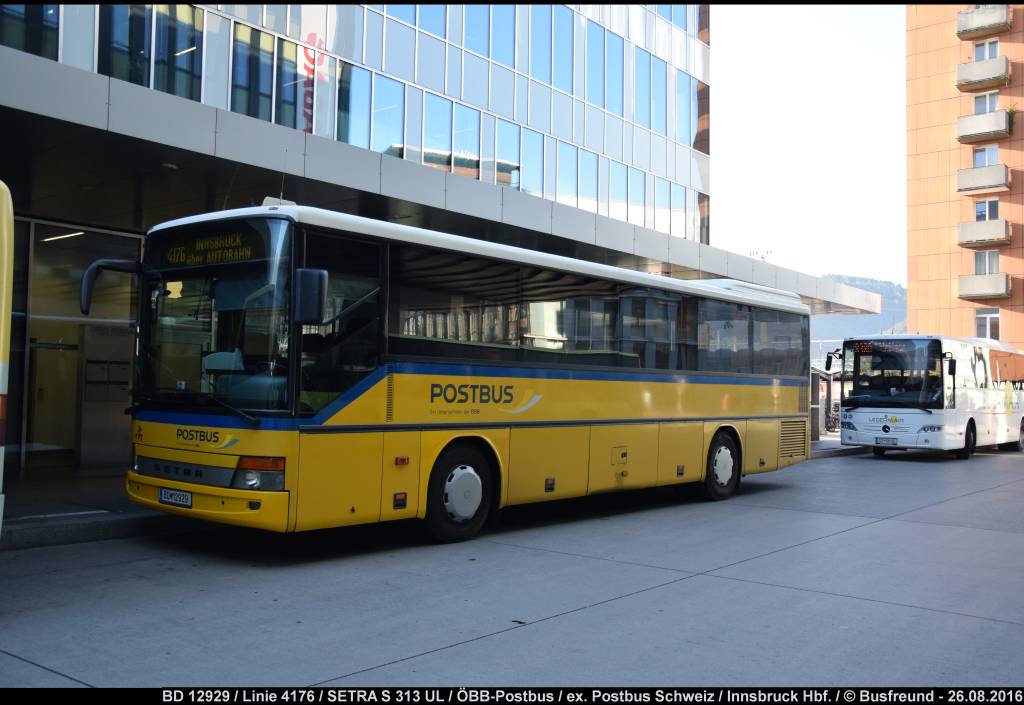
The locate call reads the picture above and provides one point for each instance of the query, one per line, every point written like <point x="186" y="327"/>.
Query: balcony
<point x="984" y="286"/>
<point x="980" y="75"/>
<point x="983" y="127"/>
<point x="983" y="233"/>
<point x="983" y="21"/>
<point x="983" y="179"/>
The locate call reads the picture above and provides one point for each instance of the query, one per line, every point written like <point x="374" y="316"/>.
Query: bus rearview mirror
<point x="130" y="266"/>
<point x="952" y="368"/>
<point x="310" y="296"/>
<point x="828" y="363"/>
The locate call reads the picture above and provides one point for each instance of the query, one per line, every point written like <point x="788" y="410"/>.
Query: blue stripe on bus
<point x="440" y="369"/>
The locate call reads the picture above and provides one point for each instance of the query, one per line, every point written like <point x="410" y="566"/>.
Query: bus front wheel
<point x="970" y="441"/>
<point x="723" y="470"/>
<point x="459" y="494"/>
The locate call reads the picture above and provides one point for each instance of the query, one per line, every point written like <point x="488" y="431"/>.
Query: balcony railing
<point x="983" y="127"/>
<point x="983" y="233"/>
<point x="984" y="286"/>
<point x="983" y="21"/>
<point x="983" y="179"/>
<point x="979" y="75"/>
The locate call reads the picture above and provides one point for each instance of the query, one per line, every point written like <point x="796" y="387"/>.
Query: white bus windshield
<point x="892" y="373"/>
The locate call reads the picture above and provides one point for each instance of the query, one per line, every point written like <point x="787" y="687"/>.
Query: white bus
<point x="929" y="392"/>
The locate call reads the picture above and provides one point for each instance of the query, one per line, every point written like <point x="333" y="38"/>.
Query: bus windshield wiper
<point x="248" y="418"/>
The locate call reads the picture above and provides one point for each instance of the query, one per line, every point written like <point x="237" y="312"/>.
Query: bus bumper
<point x="900" y="441"/>
<point x="259" y="510"/>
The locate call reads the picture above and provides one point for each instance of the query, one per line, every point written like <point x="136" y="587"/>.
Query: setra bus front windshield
<point x="214" y="316"/>
<point x="892" y="373"/>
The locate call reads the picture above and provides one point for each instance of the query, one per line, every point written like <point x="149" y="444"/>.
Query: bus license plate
<point x="885" y="441"/>
<point x="178" y="498"/>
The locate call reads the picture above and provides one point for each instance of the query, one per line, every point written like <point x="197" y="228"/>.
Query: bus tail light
<point x="259" y="473"/>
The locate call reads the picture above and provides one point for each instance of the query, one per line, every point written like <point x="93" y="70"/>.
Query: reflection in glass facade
<point x="388" y="120"/>
<point x="533" y="163"/>
<point x="540" y="42"/>
<point x="354" y="105"/>
<point x="507" y="149"/>
<point x="124" y="42"/>
<point x="437" y="132"/>
<point x="563" y="65"/>
<point x="477" y="29"/>
<point x="31" y="28"/>
<point x="252" y="71"/>
<point x="467" y="142"/>
<point x="178" y="55"/>
<point x="510" y="111"/>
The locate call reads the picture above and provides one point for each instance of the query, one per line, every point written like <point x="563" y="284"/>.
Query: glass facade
<point x="424" y="82"/>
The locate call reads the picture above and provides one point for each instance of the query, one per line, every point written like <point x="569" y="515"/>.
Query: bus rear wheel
<point x="1017" y="445"/>
<point x="970" y="441"/>
<point x="723" y="470"/>
<point x="459" y="494"/>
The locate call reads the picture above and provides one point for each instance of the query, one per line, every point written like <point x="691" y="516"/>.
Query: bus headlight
<point x="848" y="426"/>
<point x="256" y="473"/>
<point x="931" y="429"/>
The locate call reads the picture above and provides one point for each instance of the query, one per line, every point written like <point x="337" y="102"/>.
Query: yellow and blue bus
<point x="301" y="369"/>
<point x="6" y="304"/>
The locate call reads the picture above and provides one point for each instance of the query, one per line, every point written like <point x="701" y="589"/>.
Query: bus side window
<point x="345" y="347"/>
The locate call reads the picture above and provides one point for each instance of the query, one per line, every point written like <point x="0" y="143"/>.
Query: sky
<point x="808" y="137"/>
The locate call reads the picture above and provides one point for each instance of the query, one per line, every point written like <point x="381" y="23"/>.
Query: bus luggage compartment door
<point x="623" y="457"/>
<point x="339" y="479"/>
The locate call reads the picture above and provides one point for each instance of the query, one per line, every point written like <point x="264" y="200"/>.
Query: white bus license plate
<point x="885" y="441"/>
<point x="176" y="497"/>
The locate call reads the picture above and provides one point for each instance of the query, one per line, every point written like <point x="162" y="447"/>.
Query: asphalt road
<point x="851" y="570"/>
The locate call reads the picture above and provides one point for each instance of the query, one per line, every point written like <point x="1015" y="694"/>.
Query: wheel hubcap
<point x="463" y="492"/>
<point x="722" y="466"/>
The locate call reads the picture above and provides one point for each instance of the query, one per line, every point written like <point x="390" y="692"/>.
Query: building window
<point x="388" y="117"/>
<point x="662" y="206"/>
<point x="704" y="215"/>
<point x="679" y="16"/>
<point x="289" y="86"/>
<point x="508" y="154"/>
<point x="533" y="163"/>
<point x="354" y="105"/>
<point x="478" y="23"/>
<point x="986" y="210"/>
<point x="642" y="114"/>
<point x="617" y="191"/>
<point x="678" y="210"/>
<point x="986" y="50"/>
<point x="437" y="132"/>
<point x="613" y="64"/>
<point x="986" y="156"/>
<point x="986" y="102"/>
<point x="986" y="323"/>
<point x="179" y="50"/>
<point x="252" y="71"/>
<point x="566" y="180"/>
<point x="406" y="13"/>
<point x="595" y="64"/>
<point x="432" y="19"/>
<point x="467" y="142"/>
<point x="503" y="35"/>
<point x="30" y="28"/>
<point x="659" y="101"/>
<point x="563" y="48"/>
<point x="540" y="42"/>
<point x="588" y="181"/>
<point x="986" y="262"/>
<point x="124" y="42"/>
<point x="636" y="196"/>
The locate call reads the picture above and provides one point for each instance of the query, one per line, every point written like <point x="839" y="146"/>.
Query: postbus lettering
<point x="472" y="393"/>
